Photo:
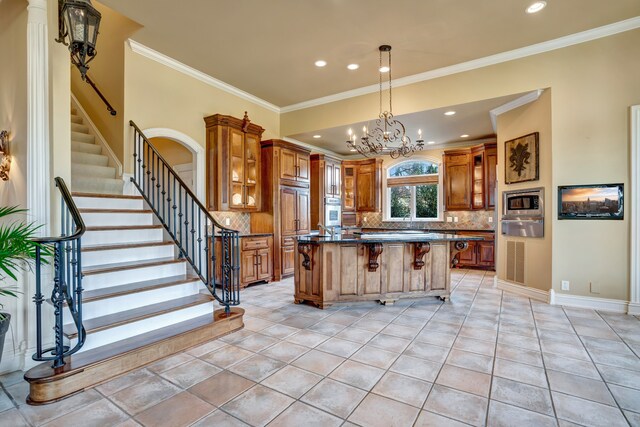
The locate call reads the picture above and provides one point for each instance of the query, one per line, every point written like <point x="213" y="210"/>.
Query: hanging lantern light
<point x="78" y="25"/>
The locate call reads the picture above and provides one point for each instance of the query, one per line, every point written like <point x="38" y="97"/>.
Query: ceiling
<point x="268" y="48"/>
<point x="472" y="119"/>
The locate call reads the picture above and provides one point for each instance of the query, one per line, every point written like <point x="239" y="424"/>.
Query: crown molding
<point x="511" y="105"/>
<point x="154" y="55"/>
<point x="315" y="148"/>
<point x="559" y="43"/>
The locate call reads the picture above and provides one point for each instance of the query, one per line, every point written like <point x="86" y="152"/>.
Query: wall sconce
<point x="5" y="156"/>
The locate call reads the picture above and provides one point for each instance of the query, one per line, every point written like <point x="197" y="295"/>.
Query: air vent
<point x="515" y="262"/>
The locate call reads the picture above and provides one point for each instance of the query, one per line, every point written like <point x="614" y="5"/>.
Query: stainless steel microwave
<point x="527" y="203"/>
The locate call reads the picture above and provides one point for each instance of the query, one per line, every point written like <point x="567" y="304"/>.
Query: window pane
<point x="413" y="168"/>
<point x="426" y="201"/>
<point x="400" y="199"/>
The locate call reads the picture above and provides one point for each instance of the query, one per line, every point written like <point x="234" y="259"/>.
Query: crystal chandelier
<point x="389" y="136"/>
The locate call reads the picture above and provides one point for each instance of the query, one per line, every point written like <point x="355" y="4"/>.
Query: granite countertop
<point x="390" y="237"/>
<point x="255" y="234"/>
<point x="426" y="230"/>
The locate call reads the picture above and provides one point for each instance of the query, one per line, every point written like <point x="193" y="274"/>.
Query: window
<point x="413" y="191"/>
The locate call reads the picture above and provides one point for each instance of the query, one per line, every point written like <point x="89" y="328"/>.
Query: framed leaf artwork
<point x="522" y="159"/>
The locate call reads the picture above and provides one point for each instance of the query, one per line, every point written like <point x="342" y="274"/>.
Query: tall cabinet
<point x="286" y="200"/>
<point x="470" y="177"/>
<point x="361" y="189"/>
<point x="233" y="164"/>
<point x="326" y="182"/>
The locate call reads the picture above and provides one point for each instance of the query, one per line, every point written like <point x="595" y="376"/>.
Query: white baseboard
<point x="634" y="309"/>
<point x="603" y="304"/>
<point x="528" y="292"/>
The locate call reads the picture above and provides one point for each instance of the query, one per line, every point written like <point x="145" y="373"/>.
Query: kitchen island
<point x="381" y="267"/>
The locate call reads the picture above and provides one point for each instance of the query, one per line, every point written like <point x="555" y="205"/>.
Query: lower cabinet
<point x="480" y="254"/>
<point x="256" y="259"/>
<point x="288" y="255"/>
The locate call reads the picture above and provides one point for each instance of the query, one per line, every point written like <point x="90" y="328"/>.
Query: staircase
<point x="91" y="171"/>
<point x="140" y="301"/>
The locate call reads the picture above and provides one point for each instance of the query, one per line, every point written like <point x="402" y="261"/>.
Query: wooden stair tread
<point x="78" y="362"/>
<point x="132" y="211"/>
<point x="124" y="227"/>
<point x="129" y="316"/>
<point x="131" y="288"/>
<point x="110" y="247"/>
<point x="129" y="265"/>
<point x="105" y="196"/>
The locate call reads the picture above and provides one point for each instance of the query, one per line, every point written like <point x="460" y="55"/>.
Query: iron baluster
<point x="38" y="299"/>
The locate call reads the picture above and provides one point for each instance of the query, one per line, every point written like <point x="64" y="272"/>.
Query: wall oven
<point x="332" y="212"/>
<point x="523" y="212"/>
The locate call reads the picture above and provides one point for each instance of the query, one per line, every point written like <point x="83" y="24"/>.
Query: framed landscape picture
<point x="522" y="159"/>
<point x="605" y="201"/>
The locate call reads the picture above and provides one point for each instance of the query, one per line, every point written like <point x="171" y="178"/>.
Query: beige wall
<point x="592" y="86"/>
<point x="173" y="152"/>
<point x="107" y="72"/>
<point x="157" y="96"/>
<point x="533" y="117"/>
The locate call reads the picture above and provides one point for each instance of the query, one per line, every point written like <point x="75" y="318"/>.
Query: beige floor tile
<point x="19" y="392"/>
<point x="521" y="372"/>
<point x="38" y="415"/>
<point x="12" y="378"/>
<point x="464" y="380"/>
<point x="522" y="395"/>
<point x="486" y="348"/>
<point x="170" y="362"/>
<point x="378" y="411"/>
<point x="403" y="389"/>
<point x="633" y="418"/>
<point x="342" y="318"/>
<point x="221" y="387"/>
<point x="208" y="347"/>
<point x="220" y="419"/>
<point x="12" y="418"/>
<point x="522" y="341"/>
<point x="585" y="388"/>
<point x="520" y="355"/>
<point x="417" y="368"/>
<point x="473" y="361"/>
<point x="357" y="374"/>
<point x="318" y="362"/>
<point x="279" y="331"/>
<point x="255" y="324"/>
<point x="586" y="412"/>
<point x="190" y="373"/>
<point x="370" y="325"/>
<point x="144" y="394"/>
<point x="564" y="349"/>
<point x="307" y="338"/>
<point x="390" y="343"/>
<point x="292" y="381"/>
<point x="301" y="414"/>
<point x="258" y="405"/>
<point x="360" y="336"/>
<point x="604" y="357"/>
<point x="285" y="351"/>
<point x="375" y="357"/>
<point x="334" y="397"/>
<point x="503" y="415"/>
<point x="627" y="398"/>
<point x="5" y="401"/>
<point x="128" y="423"/>
<point x="182" y="409"/>
<point x="326" y="328"/>
<point x="478" y="333"/>
<point x="257" y="342"/>
<point x="583" y="368"/>
<point x="299" y="322"/>
<point x="227" y="356"/>
<point x="620" y="376"/>
<point x="339" y="347"/>
<point x="256" y="368"/>
<point x="430" y="419"/>
<point x="124" y="381"/>
<point x="100" y="413"/>
<point x="458" y="405"/>
<point x="427" y="351"/>
<point x="401" y="331"/>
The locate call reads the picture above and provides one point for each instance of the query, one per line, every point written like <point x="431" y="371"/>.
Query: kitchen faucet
<point x="405" y="220"/>
<point x="331" y="230"/>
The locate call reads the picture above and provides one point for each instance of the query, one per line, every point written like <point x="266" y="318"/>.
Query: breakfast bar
<point x="381" y="267"/>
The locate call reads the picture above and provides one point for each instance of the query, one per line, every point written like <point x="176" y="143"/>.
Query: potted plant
<point x="17" y="250"/>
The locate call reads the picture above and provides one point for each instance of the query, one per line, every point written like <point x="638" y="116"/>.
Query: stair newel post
<point x="164" y="193"/>
<point x="199" y="241"/>
<point x="208" y="243"/>
<point x="174" y="207"/>
<point x="193" y="232"/>
<point x="79" y="290"/>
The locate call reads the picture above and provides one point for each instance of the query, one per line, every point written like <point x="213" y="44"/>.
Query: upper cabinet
<point x="294" y="166"/>
<point x="233" y="164"/>
<point x="362" y="181"/>
<point x="470" y="177"/>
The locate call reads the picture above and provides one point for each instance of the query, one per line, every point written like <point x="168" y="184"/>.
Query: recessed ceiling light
<point x="536" y="6"/>
<point x="464" y="136"/>
<point x="320" y="63"/>
<point x="317" y="136"/>
<point x="449" y="113"/>
<point x="384" y="69"/>
<point x="431" y="142"/>
<point x="353" y="66"/>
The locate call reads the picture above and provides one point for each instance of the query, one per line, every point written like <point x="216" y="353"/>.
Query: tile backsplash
<point x="240" y="221"/>
<point x="468" y="220"/>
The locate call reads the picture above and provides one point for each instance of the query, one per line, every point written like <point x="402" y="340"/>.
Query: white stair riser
<point x="109" y="219"/>
<point x="122" y="277"/>
<point x="89" y="159"/>
<point x="113" y="237"/>
<point x="107" y="203"/>
<point x="83" y="137"/>
<point x="129" y="330"/>
<point x="147" y="253"/>
<point x="135" y="300"/>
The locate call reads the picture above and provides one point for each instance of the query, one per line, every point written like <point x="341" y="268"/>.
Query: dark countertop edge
<point x="408" y="239"/>
<point x="256" y="234"/>
<point x="426" y="230"/>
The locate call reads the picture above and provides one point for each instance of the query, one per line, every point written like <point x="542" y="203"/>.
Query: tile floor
<point x="486" y="358"/>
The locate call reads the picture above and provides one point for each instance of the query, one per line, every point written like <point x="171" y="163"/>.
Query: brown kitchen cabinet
<point x="326" y="182"/>
<point x="233" y="164"/>
<point x="285" y="200"/>
<point x="480" y="253"/>
<point x="256" y="259"/>
<point x="361" y="188"/>
<point x="470" y="177"/>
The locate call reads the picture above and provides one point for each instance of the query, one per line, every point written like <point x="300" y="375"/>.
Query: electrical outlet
<point x="455" y="219"/>
<point x="227" y="221"/>
<point x="594" y="288"/>
<point x="490" y="219"/>
<point x="449" y="219"/>
<point x="565" y="285"/>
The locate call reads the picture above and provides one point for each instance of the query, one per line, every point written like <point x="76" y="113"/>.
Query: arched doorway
<point x="164" y="137"/>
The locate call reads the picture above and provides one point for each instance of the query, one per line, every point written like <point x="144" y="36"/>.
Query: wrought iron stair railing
<point x="65" y="251"/>
<point x="188" y="222"/>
